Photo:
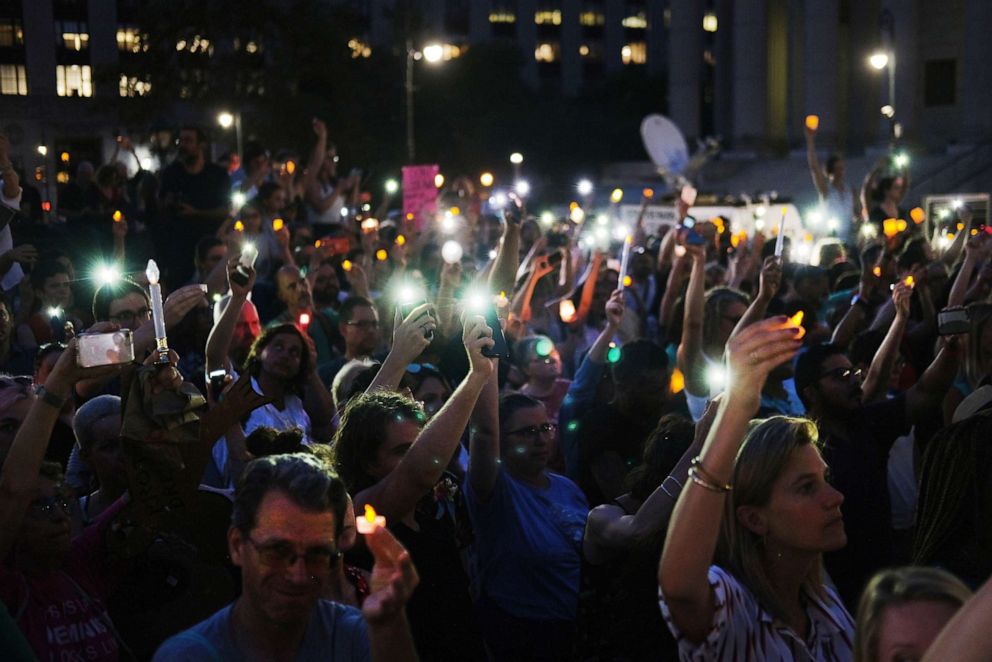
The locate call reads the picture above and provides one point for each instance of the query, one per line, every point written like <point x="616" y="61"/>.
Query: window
<point x="637" y="21"/>
<point x="74" y="80"/>
<point x="72" y="35"/>
<point x="552" y="17"/>
<point x="132" y="86"/>
<point x="358" y="49"/>
<point x="634" y="53"/>
<point x="591" y="18"/>
<point x="11" y="32"/>
<point x="130" y="40"/>
<point x="940" y="83"/>
<point x="710" y="22"/>
<point x="547" y="52"/>
<point x="13" y="79"/>
<point x="502" y="17"/>
<point x="195" y="44"/>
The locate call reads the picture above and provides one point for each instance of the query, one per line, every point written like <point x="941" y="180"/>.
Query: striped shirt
<point x="743" y="630"/>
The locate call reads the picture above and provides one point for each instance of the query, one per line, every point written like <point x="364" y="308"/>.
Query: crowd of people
<point x="471" y="434"/>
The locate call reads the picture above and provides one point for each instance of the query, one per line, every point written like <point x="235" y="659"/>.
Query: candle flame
<point x="627" y="280"/>
<point x="812" y="122"/>
<point x="239" y="226"/>
<point x="918" y="215"/>
<point x="629" y="239"/>
<point x="118" y="216"/>
<point x="648" y="193"/>
<point x="381" y="255"/>
<point x="290" y="167"/>
<point x="370" y="514"/>
<point x="910" y="281"/>
<point x="346" y="265"/>
<point x="566" y="310"/>
<point x="797" y="321"/>
<point x="877" y="271"/>
<point x="278" y="224"/>
<point x="677" y="383"/>
<point x="316" y="244"/>
<point x="400" y="240"/>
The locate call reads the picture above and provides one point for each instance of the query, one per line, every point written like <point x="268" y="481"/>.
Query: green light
<point x="544" y="347"/>
<point x="573" y="426"/>
<point x="613" y="355"/>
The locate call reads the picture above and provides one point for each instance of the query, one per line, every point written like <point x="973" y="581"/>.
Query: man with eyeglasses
<point x="288" y="515"/>
<point x="856" y="439"/>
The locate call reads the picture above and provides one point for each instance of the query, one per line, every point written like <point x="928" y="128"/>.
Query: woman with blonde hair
<point x="902" y="611"/>
<point x="766" y="502"/>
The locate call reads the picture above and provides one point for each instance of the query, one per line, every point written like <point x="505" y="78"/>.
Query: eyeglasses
<point x="417" y="368"/>
<point x="129" y="316"/>
<point x="282" y="555"/>
<point x="841" y="374"/>
<point x="49" y="506"/>
<point x="533" y="431"/>
<point x="364" y="325"/>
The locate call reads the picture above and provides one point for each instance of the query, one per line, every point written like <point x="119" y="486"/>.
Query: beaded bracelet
<point x="697" y="464"/>
<point x="702" y="482"/>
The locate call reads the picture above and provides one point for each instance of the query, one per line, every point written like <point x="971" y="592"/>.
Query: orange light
<point x="370" y="522"/>
<point x="627" y="281"/>
<point x="316" y="244"/>
<point x="381" y="255"/>
<point x="974" y="232"/>
<point x="65" y="157"/>
<point x="648" y="193"/>
<point x="901" y="225"/>
<point x="46" y="206"/>
<point x="573" y="205"/>
<point x="890" y="227"/>
<point x="239" y="226"/>
<point x="400" y="240"/>
<point x="960" y="227"/>
<point x="677" y="384"/>
<point x="909" y="281"/>
<point x="918" y="215"/>
<point x="304" y="320"/>
<point x="812" y="122"/>
<point x="566" y="311"/>
<point x="278" y="224"/>
<point x="370" y="225"/>
<point x="455" y="211"/>
<point x="290" y="167"/>
<point x="346" y="265"/>
<point x="797" y="321"/>
<point x="118" y="216"/>
<point x="409" y="216"/>
<point x="877" y="271"/>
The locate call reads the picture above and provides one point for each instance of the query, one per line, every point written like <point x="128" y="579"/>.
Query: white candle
<point x="158" y="312"/>
<point x="370" y="521"/>
<point x="780" y="240"/>
<point x="624" y="258"/>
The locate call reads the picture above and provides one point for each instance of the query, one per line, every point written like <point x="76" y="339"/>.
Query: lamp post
<point x="432" y="53"/>
<point x="885" y="58"/>
<point x="227" y="120"/>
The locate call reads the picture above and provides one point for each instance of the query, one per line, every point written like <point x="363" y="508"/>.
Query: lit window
<point x="634" y="53"/>
<point x="252" y="47"/>
<point x="13" y="79"/>
<point x="710" y="23"/>
<point x="74" y="80"/>
<point x="583" y="50"/>
<point x="548" y="17"/>
<point x="131" y="86"/>
<point x="196" y="44"/>
<point x="130" y="40"/>
<point x="359" y="49"/>
<point x="546" y="52"/>
<point x="502" y="17"/>
<point x="75" y="41"/>
<point x="62" y="177"/>
<point x="591" y="18"/>
<point x="637" y="21"/>
<point x="11" y="33"/>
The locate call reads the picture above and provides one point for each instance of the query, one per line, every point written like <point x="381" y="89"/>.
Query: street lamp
<point x="433" y="54"/>
<point x="878" y="60"/>
<point x="226" y="120"/>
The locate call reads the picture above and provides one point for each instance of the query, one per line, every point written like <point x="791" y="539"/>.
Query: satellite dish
<point x="665" y="144"/>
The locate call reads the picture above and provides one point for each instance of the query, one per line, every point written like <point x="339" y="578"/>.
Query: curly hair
<point x="253" y="364"/>
<point x="363" y="430"/>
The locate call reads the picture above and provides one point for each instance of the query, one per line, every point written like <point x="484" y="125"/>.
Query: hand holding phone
<point x="98" y="349"/>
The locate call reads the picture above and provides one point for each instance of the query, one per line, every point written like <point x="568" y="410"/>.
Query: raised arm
<point x="965" y="638"/>
<point x="876" y="381"/>
<point x="695" y="524"/>
<point x="483" y="457"/>
<point x="219" y="340"/>
<point x="11" y="182"/>
<point x="520" y="307"/>
<point x="317" y="155"/>
<point x="690" y="351"/>
<point x="813" y="161"/>
<point x="19" y="474"/>
<point x="927" y="394"/>
<point x="502" y="277"/>
<point x="397" y="494"/>
<point x="974" y="251"/>
<point x="410" y="339"/>
<point x="771" y="278"/>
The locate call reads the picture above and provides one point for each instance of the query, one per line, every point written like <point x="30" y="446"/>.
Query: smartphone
<point x="557" y="239"/>
<point x="693" y="238"/>
<point x="407" y="307"/>
<point x="952" y="321"/>
<point x="499" y="350"/>
<point x="96" y="349"/>
<point x="217" y="380"/>
<point x="247" y="260"/>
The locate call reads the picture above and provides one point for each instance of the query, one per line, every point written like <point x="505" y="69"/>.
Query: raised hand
<point x="25" y="254"/>
<point x="771" y="278"/>
<point x="615" y="308"/>
<point x="67" y="371"/>
<point x="167" y="378"/>
<point x="756" y="351"/>
<point x="413" y="335"/>
<point x="394" y="578"/>
<point x="320" y="129"/>
<point x="902" y="294"/>
<point x="476" y="336"/>
<point x="542" y="266"/>
<point x="239" y="291"/>
<point x="178" y="304"/>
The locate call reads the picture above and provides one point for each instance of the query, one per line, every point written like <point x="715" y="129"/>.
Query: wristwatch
<point x="50" y="398"/>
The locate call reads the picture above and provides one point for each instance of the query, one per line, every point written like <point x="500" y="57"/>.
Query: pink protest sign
<point x="419" y="195"/>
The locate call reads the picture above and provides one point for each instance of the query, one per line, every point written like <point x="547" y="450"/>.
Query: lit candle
<point x="118" y="216"/>
<point x="624" y="259"/>
<point x="918" y="215"/>
<point x="797" y="321"/>
<point x="812" y="122"/>
<point x="278" y="224"/>
<point x="304" y="320"/>
<point x="566" y="311"/>
<point x="910" y="281"/>
<point x="370" y="522"/>
<point x="346" y="265"/>
<point x="158" y="313"/>
<point x="780" y="239"/>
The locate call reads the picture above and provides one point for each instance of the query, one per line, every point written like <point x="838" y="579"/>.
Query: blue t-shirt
<point x="335" y="632"/>
<point x="528" y="546"/>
